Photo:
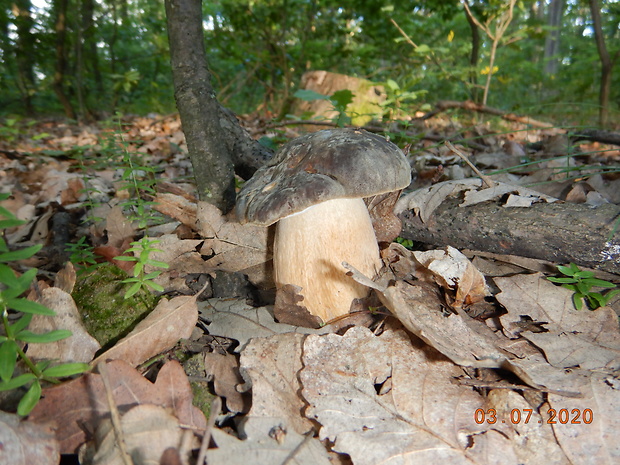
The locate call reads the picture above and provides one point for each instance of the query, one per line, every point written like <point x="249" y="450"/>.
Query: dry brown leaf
<point x="289" y="308"/>
<point x="235" y="319"/>
<point x="267" y="441"/>
<point x="235" y="247"/>
<point x="65" y="278"/>
<point x="382" y="399"/>
<point x="465" y="341"/>
<point x="453" y="270"/>
<point x="425" y="201"/>
<point x="79" y="347"/>
<point x="180" y="255"/>
<point x="587" y="427"/>
<point x="177" y="207"/>
<point x="568" y="337"/>
<point x="26" y="442"/>
<point x="224" y="368"/>
<point x="533" y="438"/>
<point x="170" y="321"/>
<point x="148" y="430"/>
<point x="78" y="406"/>
<point x="273" y="364"/>
<point x="120" y="230"/>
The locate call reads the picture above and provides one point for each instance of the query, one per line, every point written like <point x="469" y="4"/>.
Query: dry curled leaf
<point x="78" y="406"/>
<point x="26" y="442"/>
<point x="170" y="321"/>
<point x="383" y="400"/>
<point x="148" y="430"/>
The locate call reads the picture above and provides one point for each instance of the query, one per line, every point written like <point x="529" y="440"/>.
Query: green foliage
<point x="340" y="100"/>
<point x="82" y="256"/>
<point x="399" y="102"/>
<point x="406" y="243"/>
<point x="16" y="333"/>
<point x="140" y="279"/>
<point x="139" y="180"/>
<point x="581" y="283"/>
<point x="117" y="58"/>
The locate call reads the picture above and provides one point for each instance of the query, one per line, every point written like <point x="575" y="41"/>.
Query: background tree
<point x="99" y="57"/>
<point x="607" y="61"/>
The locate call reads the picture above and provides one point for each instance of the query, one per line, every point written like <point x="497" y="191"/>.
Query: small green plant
<point x="340" y="100"/>
<point x="138" y="179"/>
<point x="82" y="256"/>
<point x="16" y="334"/>
<point x="406" y="243"/>
<point x="399" y="101"/>
<point x="581" y="283"/>
<point x="140" y="279"/>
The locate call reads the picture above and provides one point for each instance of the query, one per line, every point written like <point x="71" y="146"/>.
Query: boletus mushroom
<point x="314" y="188"/>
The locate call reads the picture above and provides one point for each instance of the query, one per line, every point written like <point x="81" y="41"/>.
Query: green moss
<point x="195" y="367"/>
<point x="106" y="314"/>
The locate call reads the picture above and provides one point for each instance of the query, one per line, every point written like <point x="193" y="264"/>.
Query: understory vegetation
<point x="547" y="58"/>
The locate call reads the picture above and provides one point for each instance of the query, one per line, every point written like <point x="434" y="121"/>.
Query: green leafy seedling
<point x="82" y="256"/>
<point x="581" y="283"/>
<point x="141" y="280"/>
<point x="16" y="334"/>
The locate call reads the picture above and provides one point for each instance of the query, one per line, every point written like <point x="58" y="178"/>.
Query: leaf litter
<point x="435" y="383"/>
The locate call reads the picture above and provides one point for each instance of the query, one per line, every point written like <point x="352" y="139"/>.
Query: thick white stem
<point x="310" y="247"/>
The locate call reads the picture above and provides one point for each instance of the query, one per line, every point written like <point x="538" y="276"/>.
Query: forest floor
<point x="470" y="357"/>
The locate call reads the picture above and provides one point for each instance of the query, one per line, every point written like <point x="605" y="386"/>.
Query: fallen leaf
<point x="170" y="321"/>
<point x="235" y="247"/>
<point x="224" y="369"/>
<point x="120" y="230"/>
<point x="383" y="400"/>
<point x="177" y="207"/>
<point x="78" y="406"/>
<point x="148" y="430"/>
<point x="79" y="347"/>
<point x="533" y="438"/>
<point x="289" y="308"/>
<point x="586" y="428"/>
<point x="26" y="442"/>
<point x="272" y="365"/>
<point x="453" y="270"/>
<point x="267" y="440"/>
<point x="570" y="337"/>
<point x="235" y="319"/>
<point x="423" y="202"/>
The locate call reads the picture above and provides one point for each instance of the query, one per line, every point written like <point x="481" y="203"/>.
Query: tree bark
<point x="557" y="232"/>
<point x="197" y="105"/>
<point x="473" y="59"/>
<point x="606" y="62"/>
<point x="552" y="41"/>
<point x="60" y="7"/>
<point x="24" y="52"/>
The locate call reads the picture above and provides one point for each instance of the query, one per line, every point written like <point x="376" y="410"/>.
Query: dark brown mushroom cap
<point x="325" y="165"/>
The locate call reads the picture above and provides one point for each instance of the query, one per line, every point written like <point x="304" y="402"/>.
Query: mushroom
<point x="314" y="188"/>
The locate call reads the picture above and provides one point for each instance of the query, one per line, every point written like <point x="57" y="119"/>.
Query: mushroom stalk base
<point x="310" y="247"/>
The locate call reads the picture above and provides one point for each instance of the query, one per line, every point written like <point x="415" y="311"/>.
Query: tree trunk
<point x="606" y="62"/>
<point x="473" y="59"/>
<point x="198" y="107"/>
<point x="558" y="232"/>
<point x="60" y="6"/>
<point x="24" y="52"/>
<point x="90" y="42"/>
<point x="552" y="41"/>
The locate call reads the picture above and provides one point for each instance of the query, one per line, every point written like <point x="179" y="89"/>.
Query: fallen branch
<point x="558" y="232"/>
<point x="444" y="105"/>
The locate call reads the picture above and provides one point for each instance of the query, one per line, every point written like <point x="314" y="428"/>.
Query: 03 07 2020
<point x="524" y="416"/>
